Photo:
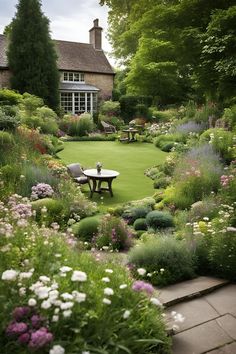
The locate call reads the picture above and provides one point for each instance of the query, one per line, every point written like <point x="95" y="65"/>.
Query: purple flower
<point x="16" y="328"/>
<point x="20" y="312"/>
<point x="41" y="190"/>
<point x="140" y="285"/>
<point x="40" y="338"/>
<point x="24" y="338"/>
<point x="36" y="321"/>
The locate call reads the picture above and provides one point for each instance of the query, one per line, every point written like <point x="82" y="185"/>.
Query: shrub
<point x="87" y="228"/>
<point x="48" y="210"/>
<point x="8" y="120"/>
<point x="133" y="213"/>
<point x="161" y="182"/>
<point x="140" y="224"/>
<point x="190" y="127"/>
<point x="196" y="175"/>
<point x="9" y="97"/>
<point x="113" y="233"/>
<point x="30" y="103"/>
<point x="167" y="146"/>
<point x="207" y="207"/>
<point x="6" y="140"/>
<point x="77" y="126"/>
<point x="159" y="220"/>
<point x="166" y="259"/>
<point x="110" y="108"/>
<point x="230" y="116"/>
<point x="221" y="140"/>
<point x="223" y="254"/>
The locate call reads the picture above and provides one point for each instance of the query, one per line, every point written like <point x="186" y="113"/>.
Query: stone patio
<point x="209" y="308"/>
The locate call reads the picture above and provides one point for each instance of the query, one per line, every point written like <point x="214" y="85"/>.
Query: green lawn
<point x="129" y="159"/>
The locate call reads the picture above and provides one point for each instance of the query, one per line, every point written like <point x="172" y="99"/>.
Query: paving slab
<point x="226" y="349"/>
<point x="228" y="323"/>
<point x="189" y="289"/>
<point x="196" y="311"/>
<point x="223" y="300"/>
<point x="200" y="339"/>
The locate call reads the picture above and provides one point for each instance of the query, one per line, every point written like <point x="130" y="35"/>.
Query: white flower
<point x="9" y="274"/>
<point x="67" y="313"/>
<point x="67" y="305"/>
<point x="126" y="314"/>
<point x="67" y="296"/>
<point x="175" y="327"/>
<point x="79" y="297"/>
<point x="141" y="271"/>
<point x="79" y="276"/>
<point x="22" y="291"/>
<point x="106" y="279"/>
<point x="162" y="270"/>
<point x="106" y="301"/>
<point x="155" y="301"/>
<point x="85" y="353"/>
<point x="44" y="279"/>
<point x="42" y="292"/>
<point x="46" y="304"/>
<point x="65" y="269"/>
<point x="32" y="302"/>
<point x="123" y="286"/>
<point x="108" y="291"/>
<point x="109" y="271"/>
<point x="55" y="318"/>
<point x="57" y="349"/>
<point x="25" y="275"/>
<point x="53" y="295"/>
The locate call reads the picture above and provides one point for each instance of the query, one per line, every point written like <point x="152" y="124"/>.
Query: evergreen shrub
<point x="140" y="224"/>
<point x="159" y="220"/>
<point x="87" y="228"/>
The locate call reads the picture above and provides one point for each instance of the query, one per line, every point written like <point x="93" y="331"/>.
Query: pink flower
<point x="16" y="328"/>
<point x="24" y="338"/>
<point x="40" y="338"/>
<point x="140" y="285"/>
<point x="20" y="312"/>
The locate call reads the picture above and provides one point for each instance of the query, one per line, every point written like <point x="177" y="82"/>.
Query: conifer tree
<point x="31" y="53"/>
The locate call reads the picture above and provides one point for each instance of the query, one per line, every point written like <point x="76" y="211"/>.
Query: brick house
<point x="85" y="73"/>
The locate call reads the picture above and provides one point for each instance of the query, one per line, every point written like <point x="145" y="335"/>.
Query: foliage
<point x="221" y="140"/>
<point x="135" y="212"/>
<point x="87" y="228"/>
<point x="129" y="105"/>
<point x="110" y="108"/>
<point x="230" y="116"/>
<point x="159" y="220"/>
<point x="39" y="77"/>
<point x="113" y="233"/>
<point x="196" y="175"/>
<point x="140" y="224"/>
<point x="9" y="118"/>
<point x="77" y="125"/>
<point x="166" y="260"/>
<point x="48" y="210"/>
<point x="6" y="140"/>
<point x="9" y="97"/>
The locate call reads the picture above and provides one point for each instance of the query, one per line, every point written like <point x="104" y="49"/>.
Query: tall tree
<point x="31" y="53"/>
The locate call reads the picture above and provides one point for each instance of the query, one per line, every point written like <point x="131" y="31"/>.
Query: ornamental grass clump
<point x="165" y="259"/>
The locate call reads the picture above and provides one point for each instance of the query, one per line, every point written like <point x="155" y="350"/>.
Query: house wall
<point x="102" y="82"/>
<point x="4" y="78"/>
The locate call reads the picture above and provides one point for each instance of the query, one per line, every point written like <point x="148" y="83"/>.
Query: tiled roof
<point x="71" y="86"/>
<point x="72" y="56"/>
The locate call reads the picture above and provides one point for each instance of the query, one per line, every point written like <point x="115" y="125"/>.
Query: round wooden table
<point x="98" y="178"/>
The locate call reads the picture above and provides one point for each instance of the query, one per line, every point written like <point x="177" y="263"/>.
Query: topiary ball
<point x="140" y="224"/>
<point x="159" y="219"/>
<point x="87" y="228"/>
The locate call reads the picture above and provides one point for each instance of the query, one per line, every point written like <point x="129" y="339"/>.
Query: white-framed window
<point x="79" y="102"/>
<point x="73" y="76"/>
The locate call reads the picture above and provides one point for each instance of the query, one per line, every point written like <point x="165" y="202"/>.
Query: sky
<point x="70" y="20"/>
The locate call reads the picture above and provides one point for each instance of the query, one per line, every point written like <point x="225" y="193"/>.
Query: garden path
<point x="209" y="307"/>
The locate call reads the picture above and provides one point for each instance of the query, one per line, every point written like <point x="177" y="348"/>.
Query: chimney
<point x="95" y="35"/>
